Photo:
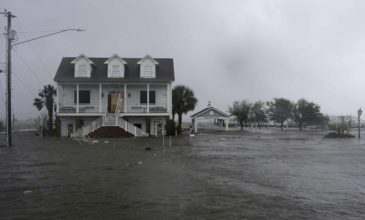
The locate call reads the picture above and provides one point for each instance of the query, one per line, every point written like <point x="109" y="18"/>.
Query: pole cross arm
<point x="71" y="29"/>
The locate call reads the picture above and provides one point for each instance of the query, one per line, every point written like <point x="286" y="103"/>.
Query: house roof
<point x="206" y="113"/>
<point x="99" y="73"/>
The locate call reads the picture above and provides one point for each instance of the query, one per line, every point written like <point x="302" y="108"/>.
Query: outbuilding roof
<point x="99" y="73"/>
<point x="211" y="112"/>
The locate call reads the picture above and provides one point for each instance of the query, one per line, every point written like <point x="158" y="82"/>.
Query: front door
<point x="113" y="101"/>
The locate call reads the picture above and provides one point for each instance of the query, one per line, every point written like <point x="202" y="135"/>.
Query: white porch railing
<point x="142" y="108"/>
<point x="72" y="108"/>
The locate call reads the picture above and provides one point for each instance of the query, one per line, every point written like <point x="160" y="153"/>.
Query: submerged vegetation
<point x="341" y="128"/>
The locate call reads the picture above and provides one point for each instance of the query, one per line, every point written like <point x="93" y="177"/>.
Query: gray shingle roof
<point x="99" y="73"/>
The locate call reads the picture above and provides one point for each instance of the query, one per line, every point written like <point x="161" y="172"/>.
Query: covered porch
<point x="100" y="99"/>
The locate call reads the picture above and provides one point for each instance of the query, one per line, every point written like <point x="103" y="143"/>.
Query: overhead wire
<point x="30" y="70"/>
<point x="34" y="51"/>
<point x="30" y="89"/>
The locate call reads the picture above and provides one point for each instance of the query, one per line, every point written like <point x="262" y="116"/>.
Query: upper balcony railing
<point x="72" y="108"/>
<point x="132" y="108"/>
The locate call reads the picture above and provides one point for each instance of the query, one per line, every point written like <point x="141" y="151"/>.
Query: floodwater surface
<point x="214" y="175"/>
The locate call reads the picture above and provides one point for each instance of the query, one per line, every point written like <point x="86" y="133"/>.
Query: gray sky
<point x="224" y="50"/>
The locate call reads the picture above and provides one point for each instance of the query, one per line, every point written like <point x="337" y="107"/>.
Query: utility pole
<point x="9" y="38"/>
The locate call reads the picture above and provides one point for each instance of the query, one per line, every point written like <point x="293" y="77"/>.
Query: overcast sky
<point x="224" y="50"/>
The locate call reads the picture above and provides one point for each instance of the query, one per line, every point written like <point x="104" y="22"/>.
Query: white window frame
<point x="115" y="70"/>
<point x="82" y="70"/>
<point x="148" y="70"/>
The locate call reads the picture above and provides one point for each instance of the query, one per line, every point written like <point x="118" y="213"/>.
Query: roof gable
<point x="115" y="56"/>
<point x="147" y="57"/>
<point x="80" y="57"/>
<point x="210" y="112"/>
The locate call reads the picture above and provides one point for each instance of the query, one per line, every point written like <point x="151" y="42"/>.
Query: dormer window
<point x="148" y="67"/>
<point x="115" y="66"/>
<point x="82" y="70"/>
<point x="82" y="66"/>
<point x="148" y="71"/>
<point x="115" y="70"/>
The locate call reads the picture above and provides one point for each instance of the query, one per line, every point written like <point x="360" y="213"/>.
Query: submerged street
<point x="214" y="175"/>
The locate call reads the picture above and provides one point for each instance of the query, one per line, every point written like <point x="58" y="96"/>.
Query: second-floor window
<point x="84" y="97"/>
<point x="82" y="70"/>
<point x="115" y="70"/>
<point x="143" y="97"/>
<point x="148" y="70"/>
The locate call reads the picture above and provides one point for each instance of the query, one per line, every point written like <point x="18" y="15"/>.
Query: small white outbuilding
<point x="209" y="113"/>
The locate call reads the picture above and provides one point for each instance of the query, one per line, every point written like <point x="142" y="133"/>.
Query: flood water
<point x="214" y="175"/>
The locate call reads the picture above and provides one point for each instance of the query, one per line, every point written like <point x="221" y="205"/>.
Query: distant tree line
<point x="279" y="110"/>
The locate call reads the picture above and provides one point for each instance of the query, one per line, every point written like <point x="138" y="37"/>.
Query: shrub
<point x="342" y="126"/>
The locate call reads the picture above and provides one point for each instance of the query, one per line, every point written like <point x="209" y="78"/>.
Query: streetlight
<point x="58" y="32"/>
<point x="10" y="36"/>
<point x="359" y="112"/>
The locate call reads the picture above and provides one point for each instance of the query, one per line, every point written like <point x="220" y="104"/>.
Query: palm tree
<point x="183" y="101"/>
<point x="46" y="100"/>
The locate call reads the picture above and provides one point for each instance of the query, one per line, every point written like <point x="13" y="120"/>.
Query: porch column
<point x="100" y="98"/>
<point x="58" y="98"/>
<point x="125" y="97"/>
<point x="196" y="125"/>
<point x="77" y="97"/>
<point x="227" y="124"/>
<point x="167" y="99"/>
<point x="148" y="98"/>
<point x="170" y="99"/>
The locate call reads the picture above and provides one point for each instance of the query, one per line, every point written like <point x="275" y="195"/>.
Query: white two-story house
<point x="130" y="93"/>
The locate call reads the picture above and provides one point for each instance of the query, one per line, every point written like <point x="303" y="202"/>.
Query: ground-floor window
<point x="138" y="125"/>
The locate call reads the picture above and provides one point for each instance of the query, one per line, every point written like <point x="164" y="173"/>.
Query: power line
<point x="34" y="51"/>
<point x="24" y="84"/>
<point x="28" y="67"/>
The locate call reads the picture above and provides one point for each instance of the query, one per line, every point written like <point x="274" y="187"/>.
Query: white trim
<point x="147" y="57"/>
<point x="207" y="109"/>
<point x="148" y="98"/>
<point x="77" y="98"/>
<point x="81" y="56"/>
<point x="125" y="97"/>
<point x="113" y="57"/>
<point x="58" y="98"/>
<point x="100" y="97"/>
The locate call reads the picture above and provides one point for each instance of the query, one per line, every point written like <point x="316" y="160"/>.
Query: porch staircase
<point x="108" y="120"/>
